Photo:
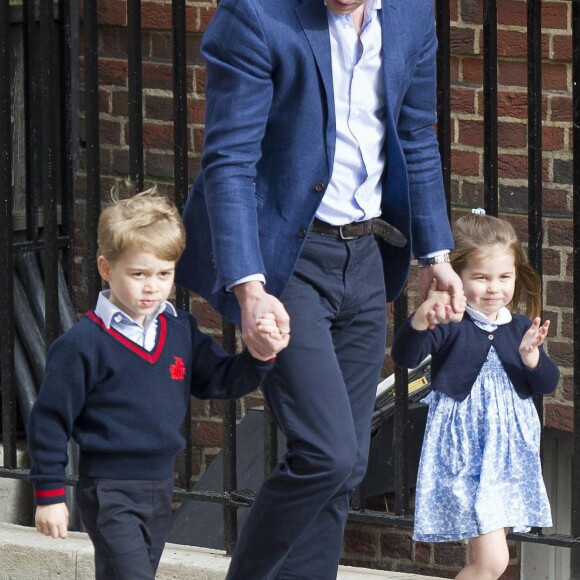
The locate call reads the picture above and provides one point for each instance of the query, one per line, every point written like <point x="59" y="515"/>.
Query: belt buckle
<point x="343" y="236"/>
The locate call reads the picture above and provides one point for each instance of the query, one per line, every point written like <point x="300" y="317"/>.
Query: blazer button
<point x="301" y="232"/>
<point x="319" y="187"/>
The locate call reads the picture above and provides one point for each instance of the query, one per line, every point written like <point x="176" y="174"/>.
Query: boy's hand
<point x="437" y="309"/>
<point x="531" y="340"/>
<point x="52" y="520"/>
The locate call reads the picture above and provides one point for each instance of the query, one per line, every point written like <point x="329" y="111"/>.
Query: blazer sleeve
<point x="238" y="97"/>
<point x="430" y="224"/>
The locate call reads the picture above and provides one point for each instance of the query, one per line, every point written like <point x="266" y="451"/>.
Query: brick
<point x="559" y="233"/>
<point x="512" y="13"/>
<point x="462" y="40"/>
<point x="561" y="48"/>
<point x="463" y="99"/>
<point x="472" y="70"/>
<point x="113" y="71"/>
<point x="471" y="11"/>
<point x="512" y="166"/>
<point x="454" y="69"/>
<point x="555" y="76"/>
<point x="199" y="76"/>
<point x="111" y="42"/>
<point x="561" y="108"/>
<point x="512" y="135"/>
<point x="472" y="194"/>
<point x="513" y="198"/>
<point x="563" y="171"/>
<point x="562" y="352"/>
<point x="512" y="104"/>
<point x="156" y="16"/>
<point x="157" y="76"/>
<point x="120" y="103"/>
<point x="422" y="552"/>
<point x="205" y="15"/>
<point x="552" y="138"/>
<point x="559" y="293"/>
<point x="567" y="388"/>
<point x="120" y="161"/>
<point x="465" y="162"/>
<point x="207" y="434"/>
<point x="559" y="417"/>
<point x="158" y="108"/>
<point x="112" y="12"/>
<point x="512" y="73"/>
<point x="551" y="262"/>
<point x="396" y="546"/>
<point x="470" y="132"/>
<point x="361" y="542"/>
<point x="556" y="15"/>
<point x="157" y="136"/>
<point x="161" y="46"/>
<point x="512" y="43"/>
<point x="449" y="553"/>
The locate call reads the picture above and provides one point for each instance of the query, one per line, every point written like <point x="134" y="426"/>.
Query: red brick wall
<point x="365" y="544"/>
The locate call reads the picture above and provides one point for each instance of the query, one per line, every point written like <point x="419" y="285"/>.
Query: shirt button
<point x="319" y="187"/>
<point x="490" y="336"/>
<point x="301" y="232"/>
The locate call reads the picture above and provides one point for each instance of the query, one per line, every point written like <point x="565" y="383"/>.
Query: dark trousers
<point x="127" y="522"/>
<point x="322" y="393"/>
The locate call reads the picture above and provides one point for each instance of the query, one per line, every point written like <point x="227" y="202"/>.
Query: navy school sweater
<point x="124" y="405"/>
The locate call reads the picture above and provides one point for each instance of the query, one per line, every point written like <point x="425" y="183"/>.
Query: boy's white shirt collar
<point x="504" y="316"/>
<point x="107" y="311"/>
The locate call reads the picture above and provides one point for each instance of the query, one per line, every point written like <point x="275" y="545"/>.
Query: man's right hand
<point x="254" y="303"/>
<point x="52" y="520"/>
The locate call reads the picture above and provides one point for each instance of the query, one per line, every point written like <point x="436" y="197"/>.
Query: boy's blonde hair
<point x="473" y="233"/>
<point x="146" y="221"/>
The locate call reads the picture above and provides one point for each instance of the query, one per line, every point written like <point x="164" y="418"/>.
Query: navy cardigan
<point x="459" y="350"/>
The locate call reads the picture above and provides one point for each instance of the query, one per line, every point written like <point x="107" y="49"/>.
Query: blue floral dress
<point x="480" y="465"/>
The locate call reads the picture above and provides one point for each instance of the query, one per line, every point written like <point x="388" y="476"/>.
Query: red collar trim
<point x="148" y="356"/>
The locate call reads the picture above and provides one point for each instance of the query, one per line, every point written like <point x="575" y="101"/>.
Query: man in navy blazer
<point x="319" y="124"/>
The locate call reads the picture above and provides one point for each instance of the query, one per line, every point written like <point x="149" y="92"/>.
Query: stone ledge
<point x="25" y="554"/>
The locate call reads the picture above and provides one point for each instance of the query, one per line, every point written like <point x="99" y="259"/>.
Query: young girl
<point x="480" y="471"/>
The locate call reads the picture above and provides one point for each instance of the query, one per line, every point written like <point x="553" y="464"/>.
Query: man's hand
<point x="52" y="520"/>
<point x="256" y="304"/>
<point x="447" y="280"/>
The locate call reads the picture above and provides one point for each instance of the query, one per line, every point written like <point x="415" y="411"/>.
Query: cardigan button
<point x="490" y="336"/>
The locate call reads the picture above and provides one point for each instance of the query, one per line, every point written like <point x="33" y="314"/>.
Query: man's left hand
<point x="447" y="280"/>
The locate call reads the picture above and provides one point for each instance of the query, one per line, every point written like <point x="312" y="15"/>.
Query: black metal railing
<point x="54" y="163"/>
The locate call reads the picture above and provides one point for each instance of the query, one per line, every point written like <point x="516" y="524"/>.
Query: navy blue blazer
<point x="459" y="350"/>
<point x="270" y="141"/>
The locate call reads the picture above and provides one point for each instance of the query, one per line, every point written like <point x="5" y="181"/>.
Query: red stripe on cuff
<point x="50" y="492"/>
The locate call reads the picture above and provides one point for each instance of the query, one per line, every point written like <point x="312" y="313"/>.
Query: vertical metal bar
<point x="134" y="56"/>
<point x="270" y="434"/>
<point x="230" y="449"/>
<point x="444" y="95"/>
<point x="7" y="371"/>
<point x="33" y="135"/>
<point x="535" y="134"/>
<point x="48" y="184"/>
<point x="575" y="491"/>
<point x="181" y="178"/>
<point x="490" y="106"/>
<point x="400" y="440"/>
<point x="68" y="48"/>
<point x="180" y="175"/>
<point x="93" y="190"/>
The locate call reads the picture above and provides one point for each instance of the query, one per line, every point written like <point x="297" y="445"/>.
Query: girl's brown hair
<point x="473" y="233"/>
<point x="146" y="221"/>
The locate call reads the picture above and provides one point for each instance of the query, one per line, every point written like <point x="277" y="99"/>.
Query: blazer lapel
<point x="313" y="18"/>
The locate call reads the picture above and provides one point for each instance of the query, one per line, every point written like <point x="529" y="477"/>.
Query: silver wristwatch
<point x="440" y="259"/>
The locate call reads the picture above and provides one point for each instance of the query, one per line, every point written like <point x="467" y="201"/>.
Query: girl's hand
<point x="531" y="340"/>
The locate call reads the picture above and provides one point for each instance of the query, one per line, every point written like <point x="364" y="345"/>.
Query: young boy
<point x="119" y="382"/>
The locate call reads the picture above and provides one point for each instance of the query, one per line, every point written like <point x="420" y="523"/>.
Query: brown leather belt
<point x="375" y="226"/>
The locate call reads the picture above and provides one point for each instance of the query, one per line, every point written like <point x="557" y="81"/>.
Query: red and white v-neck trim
<point x="152" y="356"/>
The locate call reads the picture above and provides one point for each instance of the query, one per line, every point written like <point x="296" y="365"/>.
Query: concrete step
<point x="27" y="555"/>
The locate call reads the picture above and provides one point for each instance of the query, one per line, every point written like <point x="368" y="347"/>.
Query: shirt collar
<point x="108" y="312"/>
<point x="504" y="316"/>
